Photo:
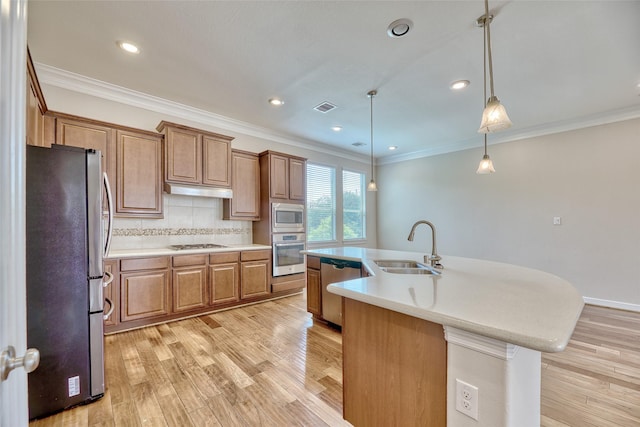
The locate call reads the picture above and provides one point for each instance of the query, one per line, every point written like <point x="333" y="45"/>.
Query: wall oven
<point x="287" y="253"/>
<point x="287" y="218"/>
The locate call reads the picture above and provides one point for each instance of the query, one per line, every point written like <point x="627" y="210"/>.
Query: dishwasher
<point x="334" y="271"/>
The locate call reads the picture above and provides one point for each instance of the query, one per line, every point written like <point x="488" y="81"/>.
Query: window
<point x="321" y="203"/>
<point x="354" y="224"/>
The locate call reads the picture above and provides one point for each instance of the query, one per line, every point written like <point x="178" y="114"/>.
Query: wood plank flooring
<point x="270" y="365"/>
<point x="596" y="380"/>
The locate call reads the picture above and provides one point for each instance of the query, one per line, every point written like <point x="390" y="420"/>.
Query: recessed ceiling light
<point x="399" y="27"/>
<point x="393" y="147"/>
<point x="459" y="84"/>
<point x="276" y="101"/>
<point x="129" y="47"/>
<point x="336" y="128"/>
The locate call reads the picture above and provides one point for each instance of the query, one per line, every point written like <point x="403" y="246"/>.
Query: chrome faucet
<point x="434" y="258"/>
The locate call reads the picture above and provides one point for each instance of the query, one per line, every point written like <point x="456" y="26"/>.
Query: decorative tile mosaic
<point x="134" y="232"/>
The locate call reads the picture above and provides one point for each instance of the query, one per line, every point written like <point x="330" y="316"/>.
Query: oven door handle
<point x="289" y="244"/>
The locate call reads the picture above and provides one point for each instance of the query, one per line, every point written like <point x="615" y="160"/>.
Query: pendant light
<point x="494" y="116"/>
<point x="486" y="165"/>
<point x="372" y="184"/>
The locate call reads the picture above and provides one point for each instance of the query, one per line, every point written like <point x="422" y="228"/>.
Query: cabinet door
<point x="216" y="161"/>
<point x="139" y="177"/>
<point x="246" y="188"/>
<point x="33" y="116"/>
<point x="144" y="294"/>
<point x="111" y="293"/>
<point x="314" y="294"/>
<point x="297" y="179"/>
<point x="183" y="156"/>
<point x="189" y="288"/>
<point x="279" y="176"/>
<point x="254" y="279"/>
<point x="88" y="135"/>
<point x="224" y="280"/>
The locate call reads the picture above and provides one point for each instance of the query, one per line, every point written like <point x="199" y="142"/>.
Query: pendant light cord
<point x="487" y="21"/>
<point x="371" y="95"/>
<point x="484" y="66"/>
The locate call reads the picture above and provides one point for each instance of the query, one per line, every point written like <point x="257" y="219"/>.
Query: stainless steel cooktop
<point x="196" y="246"/>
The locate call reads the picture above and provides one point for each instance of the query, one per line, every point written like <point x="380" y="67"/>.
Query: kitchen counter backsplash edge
<point x="134" y="253"/>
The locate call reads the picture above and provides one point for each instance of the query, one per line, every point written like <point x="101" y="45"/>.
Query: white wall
<point x="589" y="177"/>
<point x="183" y="211"/>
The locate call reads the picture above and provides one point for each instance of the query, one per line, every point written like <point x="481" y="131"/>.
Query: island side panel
<point x="394" y="368"/>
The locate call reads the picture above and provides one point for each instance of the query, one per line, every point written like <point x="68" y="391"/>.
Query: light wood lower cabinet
<point x="158" y="289"/>
<point x="111" y="292"/>
<point x="395" y="368"/>
<point x="314" y="290"/>
<point x="224" y="278"/>
<point x="144" y="288"/>
<point x="254" y="274"/>
<point x="189" y="282"/>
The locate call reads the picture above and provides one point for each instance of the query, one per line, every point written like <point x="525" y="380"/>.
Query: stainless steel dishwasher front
<point x="333" y="271"/>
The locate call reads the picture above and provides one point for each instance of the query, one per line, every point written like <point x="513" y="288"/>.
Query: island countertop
<point x="513" y="304"/>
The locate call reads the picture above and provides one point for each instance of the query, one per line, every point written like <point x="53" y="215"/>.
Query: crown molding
<point x="613" y="116"/>
<point x="78" y="83"/>
<point x="86" y="85"/>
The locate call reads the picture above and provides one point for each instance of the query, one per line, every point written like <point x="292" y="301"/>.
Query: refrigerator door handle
<point x="111" y="307"/>
<point x="107" y="282"/>
<point x="107" y="187"/>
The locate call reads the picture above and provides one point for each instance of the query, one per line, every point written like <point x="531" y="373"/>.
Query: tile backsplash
<point x="186" y="220"/>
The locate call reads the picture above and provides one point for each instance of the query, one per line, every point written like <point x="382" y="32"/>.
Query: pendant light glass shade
<point x="494" y="117"/>
<point x="485" y="166"/>
<point x="372" y="184"/>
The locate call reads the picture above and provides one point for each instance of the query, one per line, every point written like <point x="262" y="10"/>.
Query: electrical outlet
<point x="467" y="399"/>
<point x="557" y="220"/>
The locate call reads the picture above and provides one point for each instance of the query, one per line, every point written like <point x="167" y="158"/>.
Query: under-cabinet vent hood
<point x="198" y="191"/>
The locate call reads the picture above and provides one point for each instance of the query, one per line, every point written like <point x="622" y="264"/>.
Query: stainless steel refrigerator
<point x="65" y="276"/>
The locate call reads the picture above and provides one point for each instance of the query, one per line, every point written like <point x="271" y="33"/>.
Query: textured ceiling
<point x="558" y="63"/>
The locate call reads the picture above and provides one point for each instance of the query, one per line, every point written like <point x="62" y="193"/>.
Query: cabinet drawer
<point x="184" y="260"/>
<point x="224" y="257"/>
<point x="144" y="263"/>
<point x="255" y="255"/>
<point x="287" y="286"/>
<point x="313" y="262"/>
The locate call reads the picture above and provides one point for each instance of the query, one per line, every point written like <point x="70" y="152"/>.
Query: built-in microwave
<point x="287" y="218"/>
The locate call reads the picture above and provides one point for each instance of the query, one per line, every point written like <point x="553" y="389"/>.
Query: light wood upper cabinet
<point x="39" y="127"/>
<point x="245" y="204"/>
<point x="139" y="180"/>
<point x="297" y="179"/>
<point x="84" y="133"/>
<point x="286" y="177"/>
<point x="196" y="157"/>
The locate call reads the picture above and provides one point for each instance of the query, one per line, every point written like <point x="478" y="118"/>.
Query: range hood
<point x="198" y="191"/>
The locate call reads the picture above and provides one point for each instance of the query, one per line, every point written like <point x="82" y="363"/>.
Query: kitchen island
<point x="492" y="319"/>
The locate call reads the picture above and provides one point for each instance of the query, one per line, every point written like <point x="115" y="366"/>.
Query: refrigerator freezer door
<point x="96" y="337"/>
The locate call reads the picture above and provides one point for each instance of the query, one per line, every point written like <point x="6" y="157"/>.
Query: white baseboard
<point x="612" y="304"/>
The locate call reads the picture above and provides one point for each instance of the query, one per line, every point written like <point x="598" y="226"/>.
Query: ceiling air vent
<point x="325" y="107"/>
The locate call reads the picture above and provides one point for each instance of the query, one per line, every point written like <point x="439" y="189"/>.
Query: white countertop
<point x="513" y="304"/>
<point x="134" y="253"/>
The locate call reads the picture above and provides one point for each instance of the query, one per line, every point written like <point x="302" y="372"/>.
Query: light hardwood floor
<point x="270" y="365"/>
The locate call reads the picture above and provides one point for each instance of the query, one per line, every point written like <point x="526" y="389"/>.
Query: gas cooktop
<point x="196" y="246"/>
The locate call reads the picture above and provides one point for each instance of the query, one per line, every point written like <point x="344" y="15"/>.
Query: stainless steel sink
<point x="403" y="266"/>
<point x="419" y="270"/>
<point x="398" y="263"/>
